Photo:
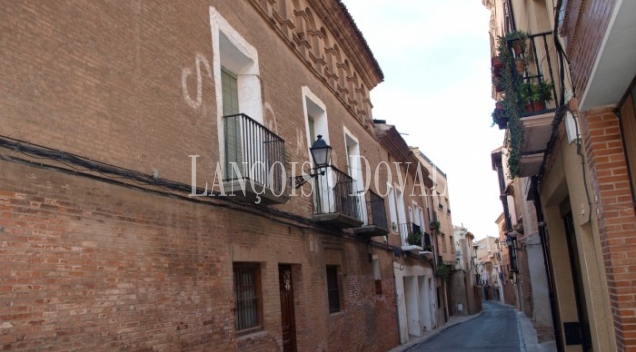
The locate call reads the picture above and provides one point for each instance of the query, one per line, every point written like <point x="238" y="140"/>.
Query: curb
<point x="522" y="338"/>
<point x="408" y="346"/>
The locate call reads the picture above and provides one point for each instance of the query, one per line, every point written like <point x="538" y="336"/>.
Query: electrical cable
<point x="116" y="175"/>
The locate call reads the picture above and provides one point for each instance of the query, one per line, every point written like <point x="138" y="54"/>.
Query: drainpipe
<point x="513" y="24"/>
<point x="547" y="263"/>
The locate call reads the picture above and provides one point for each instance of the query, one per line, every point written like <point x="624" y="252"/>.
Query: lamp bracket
<point x="299" y="181"/>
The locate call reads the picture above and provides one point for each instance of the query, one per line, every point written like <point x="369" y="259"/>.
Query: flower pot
<point x="497" y="66"/>
<point x="517" y="47"/>
<point x="535" y="106"/>
<point x="499" y="87"/>
<point x="520" y="65"/>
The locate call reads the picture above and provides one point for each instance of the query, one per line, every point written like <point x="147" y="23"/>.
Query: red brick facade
<point x="616" y="218"/>
<point x="585" y="24"/>
<point x="92" y="266"/>
<point x="92" y="262"/>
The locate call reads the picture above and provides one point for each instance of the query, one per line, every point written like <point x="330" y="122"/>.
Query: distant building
<point x="565" y="83"/>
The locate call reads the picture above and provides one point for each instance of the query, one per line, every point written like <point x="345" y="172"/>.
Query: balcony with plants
<point x="254" y="161"/>
<point x="415" y="239"/>
<point x="524" y="76"/>
<point x="375" y="213"/>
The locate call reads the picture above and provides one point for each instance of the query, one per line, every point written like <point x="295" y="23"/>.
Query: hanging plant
<point x="512" y="53"/>
<point x="499" y="116"/>
<point x="444" y="271"/>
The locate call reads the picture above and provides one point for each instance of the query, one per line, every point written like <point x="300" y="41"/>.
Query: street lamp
<point x="510" y="241"/>
<point x="321" y="154"/>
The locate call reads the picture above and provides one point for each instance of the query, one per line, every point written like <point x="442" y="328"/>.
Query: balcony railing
<point x="337" y="202"/>
<point x="527" y="72"/>
<point x="254" y="160"/>
<point x="536" y="69"/>
<point x="376" y="224"/>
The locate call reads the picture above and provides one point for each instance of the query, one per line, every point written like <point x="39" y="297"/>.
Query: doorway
<point x="579" y="293"/>
<point x="287" y="307"/>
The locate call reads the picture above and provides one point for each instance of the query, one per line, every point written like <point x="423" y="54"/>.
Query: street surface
<point x="494" y="331"/>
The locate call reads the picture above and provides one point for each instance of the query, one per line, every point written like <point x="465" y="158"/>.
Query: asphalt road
<point x="494" y="331"/>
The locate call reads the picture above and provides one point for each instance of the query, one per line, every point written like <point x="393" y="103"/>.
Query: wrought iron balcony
<point x="254" y="161"/>
<point x="529" y="79"/>
<point x="336" y="199"/>
<point x="375" y="215"/>
<point x="412" y="234"/>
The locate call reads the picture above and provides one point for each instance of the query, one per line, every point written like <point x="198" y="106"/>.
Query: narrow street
<point x="494" y="331"/>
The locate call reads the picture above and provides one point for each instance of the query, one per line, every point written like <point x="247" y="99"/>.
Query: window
<point x="235" y="67"/>
<point x="452" y="244"/>
<point x="229" y="91"/>
<point x="316" y="117"/>
<point x="247" y="294"/>
<point x="392" y="208"/>
<point x="312" y="129"/>
<point x="333" y="289"/>
<point x="354" y="167"/>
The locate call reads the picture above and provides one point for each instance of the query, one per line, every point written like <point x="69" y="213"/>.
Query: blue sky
<point x="435" y="56"/>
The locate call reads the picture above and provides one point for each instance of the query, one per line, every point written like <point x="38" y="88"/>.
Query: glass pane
<point x="229" y="84"/>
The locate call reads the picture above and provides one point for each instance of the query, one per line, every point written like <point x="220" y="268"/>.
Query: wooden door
<point x="287" y="308"/>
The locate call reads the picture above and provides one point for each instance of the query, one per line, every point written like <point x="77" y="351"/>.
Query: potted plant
<point x="415" y="239"/>
<point x="443" y="271"/>
<point x="500" y="116"/>
<point x="434" y="225"/>
<point x="535" y="95"/>
<point x="520" y="65"/>
<point x="496" y="65"/>
<point x="517" y="40"/>
<point x="393" y="226"/>
<point x="498" y="83"/>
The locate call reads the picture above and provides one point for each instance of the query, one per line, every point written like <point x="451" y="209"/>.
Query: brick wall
<point x="85" y="265"/>
<point x="586" y="23"/>
<point x="90" y="266"/>
<point x="106" y="81"/>
<point x="616" y="218"/>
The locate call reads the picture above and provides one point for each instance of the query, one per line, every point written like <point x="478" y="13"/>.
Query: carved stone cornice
<point x="338" y="20"/>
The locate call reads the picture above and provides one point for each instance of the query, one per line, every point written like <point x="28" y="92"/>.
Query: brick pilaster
<point x="616" y="218"/>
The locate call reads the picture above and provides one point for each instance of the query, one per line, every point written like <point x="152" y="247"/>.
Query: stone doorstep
<point x="454" y="320"/>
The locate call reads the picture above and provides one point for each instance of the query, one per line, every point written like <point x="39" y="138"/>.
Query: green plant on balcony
<point x="415" y="239"/>
<point x="518" y="41"/>
<point x="444" y="271"/>
<point x="536" y="95"/>
<point x="499" y="116"/>
<point x="434" y="225"/>
<point x="510" y="48"/>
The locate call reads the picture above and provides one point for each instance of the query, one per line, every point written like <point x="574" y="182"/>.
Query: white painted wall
<point x="542" y="314"/>
<point x="415" y="298"/>
<point x="425" y="304"/>
<point x="412" y="305"/>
